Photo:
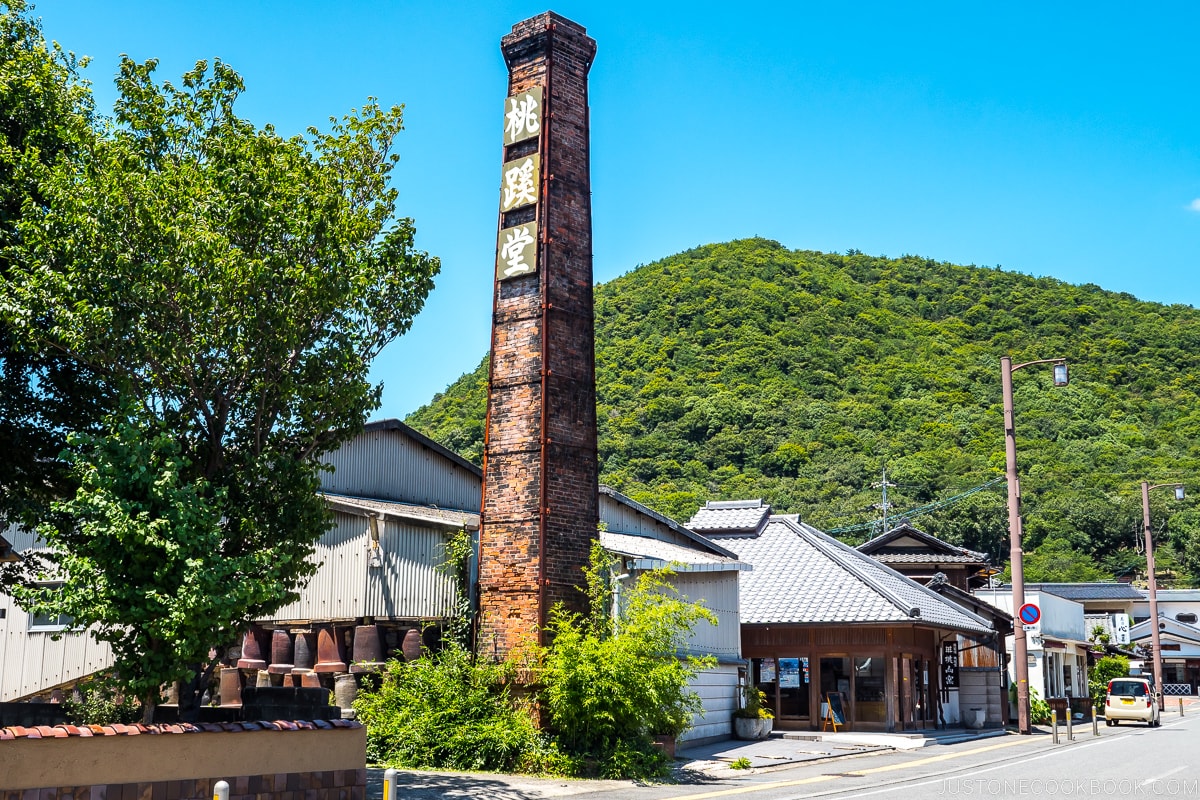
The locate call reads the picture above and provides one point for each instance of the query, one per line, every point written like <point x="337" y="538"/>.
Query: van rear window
<point x="1127" y="689"/>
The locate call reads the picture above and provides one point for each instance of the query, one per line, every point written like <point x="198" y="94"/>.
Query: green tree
<point x="231" y="286"/>
<point x="45" y="117"/>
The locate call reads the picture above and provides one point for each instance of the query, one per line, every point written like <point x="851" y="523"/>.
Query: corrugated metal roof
<point x="655" y="553"/>
<point x="403" y="511"/>
<point x="800" y="575"/>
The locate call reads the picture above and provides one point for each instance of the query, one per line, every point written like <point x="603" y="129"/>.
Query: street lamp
<point x="1154" y="639"/>
<point x="1020" y="650"/>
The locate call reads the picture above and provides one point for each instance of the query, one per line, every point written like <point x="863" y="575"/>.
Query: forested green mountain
<point x="746" y="370"/>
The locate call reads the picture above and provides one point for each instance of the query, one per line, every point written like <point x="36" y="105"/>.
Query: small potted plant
<point x="753" y="720"/>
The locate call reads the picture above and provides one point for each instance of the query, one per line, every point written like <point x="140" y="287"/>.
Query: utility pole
<point x="885" y="505"/>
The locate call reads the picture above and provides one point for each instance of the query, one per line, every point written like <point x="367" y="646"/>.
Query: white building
<point x="1057" y="643"/>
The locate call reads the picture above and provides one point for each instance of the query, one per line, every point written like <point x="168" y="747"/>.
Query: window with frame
<point x="49" y="623"/>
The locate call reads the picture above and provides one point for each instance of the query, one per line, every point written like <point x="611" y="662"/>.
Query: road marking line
<point x="982" y="768"/>
<point x="758" y="787"/>
<point x="1149" y="781"/>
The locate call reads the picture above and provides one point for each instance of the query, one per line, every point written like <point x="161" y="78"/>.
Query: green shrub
<point x="613" y="681"/>
<point x="449" y="711"/>
<point x="1104" y="671"/>
<point x="101" y="704"/>
<point x="1039" y="709"/>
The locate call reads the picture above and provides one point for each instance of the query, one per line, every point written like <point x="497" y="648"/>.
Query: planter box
<point x="267" y="760"/>
<point x="751" y="728"/>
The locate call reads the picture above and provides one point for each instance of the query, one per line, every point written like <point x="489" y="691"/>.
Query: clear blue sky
<point x="1057" y="139"/>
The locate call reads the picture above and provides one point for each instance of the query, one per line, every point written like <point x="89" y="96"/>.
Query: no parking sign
<point x="1029" y="614"/>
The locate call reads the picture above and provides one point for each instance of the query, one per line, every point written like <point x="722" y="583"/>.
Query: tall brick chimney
<point x="540" y="496"/>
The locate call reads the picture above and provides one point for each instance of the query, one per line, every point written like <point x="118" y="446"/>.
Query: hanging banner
<point x="949" y="665"/>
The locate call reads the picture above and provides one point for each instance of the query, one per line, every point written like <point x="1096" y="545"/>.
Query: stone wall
<point x="263" y="760"/>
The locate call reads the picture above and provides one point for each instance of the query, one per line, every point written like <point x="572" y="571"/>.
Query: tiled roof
<point x="65" y="731"/>
<point x="924" y="558"/>
<point x="657" y="553"/>
<point x="1174" y="595"/>
<point x="934" y="549"/>
<point x="800" y="575"/>
<point x="731" y="516"/>
<point x="697" y="540"/>
<point x="1104" y="590"/>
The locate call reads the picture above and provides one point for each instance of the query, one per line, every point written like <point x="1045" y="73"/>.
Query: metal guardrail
<point x="1177" y="689"/>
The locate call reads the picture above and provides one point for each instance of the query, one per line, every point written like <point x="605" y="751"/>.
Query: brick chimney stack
<point x="540" y="494"/>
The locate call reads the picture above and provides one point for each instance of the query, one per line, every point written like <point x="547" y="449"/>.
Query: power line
<point x="925" y="509"/>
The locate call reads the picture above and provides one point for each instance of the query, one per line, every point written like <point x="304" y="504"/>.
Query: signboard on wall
<point x="1120" y="628"/>
<point x="950" y="665"/>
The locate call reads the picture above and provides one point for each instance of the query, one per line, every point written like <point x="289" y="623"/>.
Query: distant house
<point x="1178" y="633"/>
<point x="1107" y="605"/>
<point x="918" y="555"/>
<point x="820" y="618"/>
<point x="1057" y="644"/>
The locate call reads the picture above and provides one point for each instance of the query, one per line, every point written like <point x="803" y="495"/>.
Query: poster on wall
<point x="789" y="673"/>
<point x="766" y="670"/>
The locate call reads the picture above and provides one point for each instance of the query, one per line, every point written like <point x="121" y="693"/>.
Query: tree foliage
<point x="45" y="118"/>
<point x="231" y="287"/>
<point x="745" y="369"/>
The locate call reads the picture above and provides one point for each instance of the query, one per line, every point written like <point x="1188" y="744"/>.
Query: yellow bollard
<point x="1054" y="724"/>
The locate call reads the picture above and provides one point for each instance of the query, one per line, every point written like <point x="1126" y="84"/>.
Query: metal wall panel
<point x="410" y="585"/>
<point x="718" y="690"/>
<point x="338" y="589"/>
<point x="719" y="593"/>
<point x="620" y="518"/>
<point x="388" y="465"/>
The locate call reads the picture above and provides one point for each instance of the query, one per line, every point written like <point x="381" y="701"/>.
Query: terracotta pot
<point x="231" y="686"/>
<point x="306" y="650"/>
<point x="281" y="653"/>
<point x="411" y="646"/>
<point x="368" y="649"/>
<point x="252" y="651"/>
<point x="329" y="651"/>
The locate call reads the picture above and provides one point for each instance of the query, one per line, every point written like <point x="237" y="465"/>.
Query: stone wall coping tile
<point x="65" y="731"/>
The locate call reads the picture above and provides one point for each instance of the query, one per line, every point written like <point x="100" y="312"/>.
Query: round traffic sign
<point x="1029" y="613"/>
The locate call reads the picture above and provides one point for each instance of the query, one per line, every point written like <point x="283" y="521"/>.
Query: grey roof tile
<point x="1100" y="590"/>
<point x="801" y="575"/>
<point x="667" y="552"/>
<point x="745" y="516"/>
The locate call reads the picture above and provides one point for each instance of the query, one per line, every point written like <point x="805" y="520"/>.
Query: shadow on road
<point x="419" y="785"/>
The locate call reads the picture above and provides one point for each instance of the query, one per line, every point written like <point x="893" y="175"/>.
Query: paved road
<point x="1121" y="762"/>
